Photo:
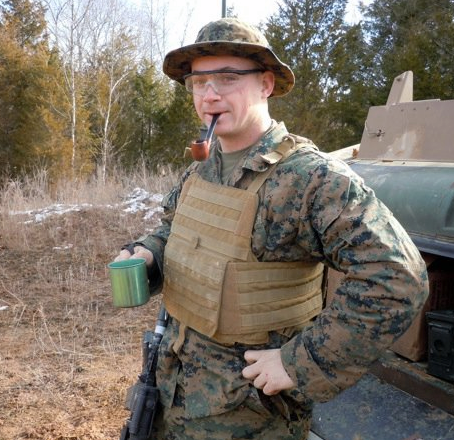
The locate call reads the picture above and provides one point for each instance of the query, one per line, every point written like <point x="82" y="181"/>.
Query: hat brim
<point x="177" y="63"/>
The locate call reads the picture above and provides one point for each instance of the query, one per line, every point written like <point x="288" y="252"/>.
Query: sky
<point x="197" y="13"/>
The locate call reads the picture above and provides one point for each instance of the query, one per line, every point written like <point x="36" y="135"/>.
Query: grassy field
<point x="67" y="356"/>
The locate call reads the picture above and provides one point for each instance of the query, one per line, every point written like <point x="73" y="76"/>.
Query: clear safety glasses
<point x="222" y="81"/>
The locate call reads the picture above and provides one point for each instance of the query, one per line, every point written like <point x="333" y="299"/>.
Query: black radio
<point x="441" y="344"/>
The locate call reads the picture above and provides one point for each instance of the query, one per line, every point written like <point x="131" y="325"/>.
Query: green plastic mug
<point x="129" y="282"/>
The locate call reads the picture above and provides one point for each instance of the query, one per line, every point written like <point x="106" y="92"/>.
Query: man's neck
<point x="232" y="143"/>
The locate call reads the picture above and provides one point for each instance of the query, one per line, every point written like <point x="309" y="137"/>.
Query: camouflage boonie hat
<point x="230" y="36"/>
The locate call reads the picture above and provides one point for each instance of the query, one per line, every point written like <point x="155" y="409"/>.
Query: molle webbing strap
<point x="269" y="296"/>
<point x="212" y="226"/>
<point x="226" y="215"/>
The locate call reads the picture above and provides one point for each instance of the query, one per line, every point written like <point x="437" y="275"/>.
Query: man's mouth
<point x="215" y="115"/>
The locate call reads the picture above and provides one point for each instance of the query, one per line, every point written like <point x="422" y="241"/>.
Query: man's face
<point x="242" y="107"/>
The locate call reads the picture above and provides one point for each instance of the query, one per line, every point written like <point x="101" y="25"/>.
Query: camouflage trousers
<point x="250" y="420"/>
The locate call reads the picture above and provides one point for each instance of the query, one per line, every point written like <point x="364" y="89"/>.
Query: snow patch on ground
<point x="138" y="200"/>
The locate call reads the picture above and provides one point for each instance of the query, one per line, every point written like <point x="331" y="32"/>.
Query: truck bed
<point x="395" y="400"/>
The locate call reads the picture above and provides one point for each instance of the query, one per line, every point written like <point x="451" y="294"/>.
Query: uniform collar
<point x="253" y="161"/>
<point x="267" y="143"/>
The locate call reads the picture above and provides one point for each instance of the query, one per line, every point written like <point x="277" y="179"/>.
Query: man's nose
<point x="210" y="92"/>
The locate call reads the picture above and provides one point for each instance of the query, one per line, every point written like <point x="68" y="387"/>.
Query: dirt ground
<point x="67" y="356"/>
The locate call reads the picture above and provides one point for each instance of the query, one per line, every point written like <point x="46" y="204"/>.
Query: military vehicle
<point x="406" y="156"/>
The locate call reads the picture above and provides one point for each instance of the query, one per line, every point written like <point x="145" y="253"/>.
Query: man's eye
<point x="227" y="78"/>
<point x="199" y="82"/>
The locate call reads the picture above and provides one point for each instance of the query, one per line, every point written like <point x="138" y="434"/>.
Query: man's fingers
<point x="260" y="381"/>
<point x="251" y="372"/>
<point x="254" y="371"/>
<point x="266" y="371"/>
<point x="252" y="356"/>
<point x="270" y="390"/>
<point x="123" y="255"/>
<point x="139" y="252"/>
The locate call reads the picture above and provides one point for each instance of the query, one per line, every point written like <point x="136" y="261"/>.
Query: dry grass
<point x="67" y="355"/>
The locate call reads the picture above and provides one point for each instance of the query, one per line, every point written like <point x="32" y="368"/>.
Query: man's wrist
<point x="131" y="246"/>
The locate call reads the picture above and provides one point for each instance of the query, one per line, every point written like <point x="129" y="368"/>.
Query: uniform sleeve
<point x="156" y="241"/>
<point x="384" y="288"/>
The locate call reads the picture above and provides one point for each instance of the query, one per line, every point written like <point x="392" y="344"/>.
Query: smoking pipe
<point x="200" y="149"/>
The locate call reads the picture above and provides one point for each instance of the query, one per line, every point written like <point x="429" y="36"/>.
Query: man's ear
<point x="267" y="83"/>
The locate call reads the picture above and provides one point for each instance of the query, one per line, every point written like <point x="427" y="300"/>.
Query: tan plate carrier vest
<point x="214" y="284"/>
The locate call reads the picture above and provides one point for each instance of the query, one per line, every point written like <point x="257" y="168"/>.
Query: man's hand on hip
<point x="266" y="371"/>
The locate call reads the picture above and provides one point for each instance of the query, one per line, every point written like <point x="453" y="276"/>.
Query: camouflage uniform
<point x="312" y="208"/>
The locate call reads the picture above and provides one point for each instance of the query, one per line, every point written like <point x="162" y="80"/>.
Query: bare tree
<point x="157" y="20"/>
<point x="100" y="43"/>
<point x="68" y="26"/>
<point x="113" y="60"/>
<point x="98" y="52"/>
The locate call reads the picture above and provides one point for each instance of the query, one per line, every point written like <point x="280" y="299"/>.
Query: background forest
<point x="82" y="93"/>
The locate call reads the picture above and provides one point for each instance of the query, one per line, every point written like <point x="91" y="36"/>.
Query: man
<point x="240" y="255"/>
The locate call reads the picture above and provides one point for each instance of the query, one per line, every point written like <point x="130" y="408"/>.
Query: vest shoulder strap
<point x="289" y="145"/>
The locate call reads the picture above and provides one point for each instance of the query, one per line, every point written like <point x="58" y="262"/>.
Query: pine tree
<point x="24" y="21"/>
<point x="31" y="125"/>
<point x="177" y="126"/>
<point x="147" y="98"/>
<point x="347" y="99"/>
<point x="415" y="35"/>
<point x="304" y="33"/>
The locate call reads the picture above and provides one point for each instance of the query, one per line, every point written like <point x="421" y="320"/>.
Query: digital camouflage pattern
<point x="312" y="208"/>
<point x="229" y="36"/>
